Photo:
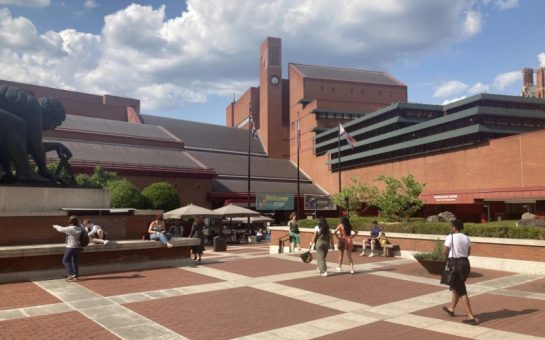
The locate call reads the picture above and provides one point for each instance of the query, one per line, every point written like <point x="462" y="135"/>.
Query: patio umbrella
<point x="190" y="210"/>
<point x="255" y="219"/>
<point x="232" y="210"/>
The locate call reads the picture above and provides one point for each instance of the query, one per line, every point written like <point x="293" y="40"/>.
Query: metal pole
<point x="339" y="162"/>
<point x="298" y="179"/>
<point x="250" y="125"/>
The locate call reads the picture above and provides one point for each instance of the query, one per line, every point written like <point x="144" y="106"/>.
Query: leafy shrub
<point x="126" y="195"/>
<point x="435" y="255"/>
<point x="99" y="178"/>
<point x="162" y="195"/>
<point x="499" y="229"/>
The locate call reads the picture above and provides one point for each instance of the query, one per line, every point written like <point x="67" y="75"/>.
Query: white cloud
<point x="473" y="23"/>
<point x="504" y="80"/>
<point x="26" y="3"/>
<point x="450" y="88"/>
<point x="90" y="4"/>
<point x="212" y="47"/>
<point x="541" y="58"/>
<point x="479" y="88"/>
<point x="448" y="101"/>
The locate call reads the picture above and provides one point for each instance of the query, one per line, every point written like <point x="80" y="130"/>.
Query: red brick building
<point x="479" y="157"/>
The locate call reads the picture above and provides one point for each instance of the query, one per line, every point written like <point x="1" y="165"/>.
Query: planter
<point x="434" y="267"/>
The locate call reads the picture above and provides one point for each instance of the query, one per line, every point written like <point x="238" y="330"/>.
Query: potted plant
<point x="434" y="262"/>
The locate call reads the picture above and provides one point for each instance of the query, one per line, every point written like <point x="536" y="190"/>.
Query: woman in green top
<point x="294" y="233"/>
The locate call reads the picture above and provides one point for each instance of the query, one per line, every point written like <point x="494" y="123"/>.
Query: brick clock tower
<point x="273" y="131"/>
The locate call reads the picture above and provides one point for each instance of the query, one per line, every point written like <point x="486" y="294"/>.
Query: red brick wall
<point x="31" y="263"/>
<point x="503" y="251"/>
<point x="25" y="230"/>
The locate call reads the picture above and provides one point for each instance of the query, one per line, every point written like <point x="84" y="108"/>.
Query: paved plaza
<point x="245" y="293"/>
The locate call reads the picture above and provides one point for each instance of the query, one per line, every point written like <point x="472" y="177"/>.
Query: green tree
<point x="99" y="178"/>
<point x="356" y="194"/>
<point x="399" y="199"/>
<point x="162" y="195"/>
<point x="125" y="195"/>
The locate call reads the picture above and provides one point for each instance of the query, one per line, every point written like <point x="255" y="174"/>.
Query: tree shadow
<point x="504" y="313"/>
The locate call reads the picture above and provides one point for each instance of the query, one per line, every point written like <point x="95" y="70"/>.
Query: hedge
<point x="499" y="229"/>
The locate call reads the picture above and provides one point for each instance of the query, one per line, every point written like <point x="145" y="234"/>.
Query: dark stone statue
<point x="23" y="118"/>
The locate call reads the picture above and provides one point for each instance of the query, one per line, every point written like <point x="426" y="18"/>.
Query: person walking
<point x="70" y="259"/>
<point x="295" y="240"/>
<point x="345" y="234"/>
<point x="321" y="240"/>
<point x="458" y="249"/>
<point x="197" y="232"/>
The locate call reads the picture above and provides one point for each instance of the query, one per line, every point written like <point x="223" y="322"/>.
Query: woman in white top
<point x="458" y="249"/>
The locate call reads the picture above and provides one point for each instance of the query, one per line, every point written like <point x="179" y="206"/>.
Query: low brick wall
<point x="483" y="249"/>
<point x="45" y="261"/>
<point x="24" y="230"/>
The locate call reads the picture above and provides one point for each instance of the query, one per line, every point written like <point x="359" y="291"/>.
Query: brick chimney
<point x="527" y="76"/>
<point x="540" y="82"/>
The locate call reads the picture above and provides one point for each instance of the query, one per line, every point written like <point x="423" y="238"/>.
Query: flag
<point x="252" y="127"/>
<point x="349" y="139"/>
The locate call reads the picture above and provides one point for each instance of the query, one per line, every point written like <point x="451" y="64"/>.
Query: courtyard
<point x="247" y="293"/>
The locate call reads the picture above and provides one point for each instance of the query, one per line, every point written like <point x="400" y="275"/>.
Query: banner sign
<point x="319" y="202"/>
<point x="274" y="201"/>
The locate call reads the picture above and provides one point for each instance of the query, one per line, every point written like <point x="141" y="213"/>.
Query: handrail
<point x="281" y="241"/>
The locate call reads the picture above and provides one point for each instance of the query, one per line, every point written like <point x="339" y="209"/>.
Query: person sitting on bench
<point x="372" y="240"/>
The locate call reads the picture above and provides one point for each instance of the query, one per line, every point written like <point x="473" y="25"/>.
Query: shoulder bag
<point x="447" y="278"/>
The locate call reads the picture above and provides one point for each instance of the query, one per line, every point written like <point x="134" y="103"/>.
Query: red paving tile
<point x="23" y="294"/>
<point x="70" y="325"/>
<point x="262" y="266"/>
<point x="363" y="288"/>
<point x="476" y="275"/>
<point x="141" y="281"/>
<point x="228" y="313"/>
<point x="513" y="314"/>
<point x="388" y="330"/>
<point x="537" y="286"/>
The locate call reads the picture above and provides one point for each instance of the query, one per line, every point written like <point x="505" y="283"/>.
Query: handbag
<point x="306" y="257"/>
<point x="447" y="278"/>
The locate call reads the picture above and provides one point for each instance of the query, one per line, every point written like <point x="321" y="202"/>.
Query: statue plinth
<point x="47" y="201"/>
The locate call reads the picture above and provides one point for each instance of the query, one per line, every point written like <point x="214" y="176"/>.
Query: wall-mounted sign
<point x="274" y="201"/>
<point x="319" y="202"/>
<point x="445" y="198"/>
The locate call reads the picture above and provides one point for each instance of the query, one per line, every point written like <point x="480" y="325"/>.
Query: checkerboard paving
<point x="244" y="293"/>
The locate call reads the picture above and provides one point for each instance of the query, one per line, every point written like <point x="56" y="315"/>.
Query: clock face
<point x="275" y="80"/>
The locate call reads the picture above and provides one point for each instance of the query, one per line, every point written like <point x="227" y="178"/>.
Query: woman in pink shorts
<point x="345" y="234"/>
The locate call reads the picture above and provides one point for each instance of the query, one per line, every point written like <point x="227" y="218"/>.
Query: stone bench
<point x="390" y="250"/>
<point x="42" y="261"/>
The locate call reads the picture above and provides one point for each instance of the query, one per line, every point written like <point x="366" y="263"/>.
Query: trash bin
<point x="220" y="244"/>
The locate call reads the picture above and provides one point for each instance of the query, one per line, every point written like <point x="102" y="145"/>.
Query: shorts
<point x="462" y="271"/>
<point x="347" y="242"/>
<point x="295" y="239"/>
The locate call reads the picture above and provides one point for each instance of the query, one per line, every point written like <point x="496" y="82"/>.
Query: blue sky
<point x="185" y="59"/>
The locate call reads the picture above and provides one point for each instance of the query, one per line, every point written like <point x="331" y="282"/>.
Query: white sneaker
<point x="324" y="274"/>
<point x="351" y="272"/>
<point x="106" y="242"/>
<point x="362" y="253"/>
<point x="371" y="255"/>
<point x="338" y="269"/>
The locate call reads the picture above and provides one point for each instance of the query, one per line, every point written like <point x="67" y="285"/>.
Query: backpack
<point x="83" y="237"/>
